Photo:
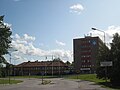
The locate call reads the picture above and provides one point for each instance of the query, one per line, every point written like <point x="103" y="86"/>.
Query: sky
<point x="46" y="28"/>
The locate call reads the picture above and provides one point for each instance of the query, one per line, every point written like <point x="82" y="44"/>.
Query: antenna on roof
<point x="91" y="34"/>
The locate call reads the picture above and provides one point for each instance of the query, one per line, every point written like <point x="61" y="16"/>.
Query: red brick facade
<point x="85" y="53"/>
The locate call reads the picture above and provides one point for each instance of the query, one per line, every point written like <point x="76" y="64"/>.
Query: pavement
<point x="56" y="84"/>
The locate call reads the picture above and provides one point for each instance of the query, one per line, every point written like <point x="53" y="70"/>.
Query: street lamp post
<point x="100" y="31"/>
<point x="14" y="67"/>
<point x="9" y="67"/>
<point x="105" y="50"/>
<point x="46" y="66"/>
<point x="52" y="65"/>
<point x="10" y="50"/>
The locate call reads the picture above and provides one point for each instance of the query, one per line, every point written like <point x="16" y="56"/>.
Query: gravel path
<point x="56" y="84"/>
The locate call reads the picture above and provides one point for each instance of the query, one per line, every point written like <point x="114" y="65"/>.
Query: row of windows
<point x="87" y="65"/>
<point x="86" y="53"/>
<point x="85" y="46"/>
<point x="88" y="43"/>
<point x="86" y="56"/>
<point x="85" y="41"/>
<point x="40" y="68"/>
<point x="86" y="61"/>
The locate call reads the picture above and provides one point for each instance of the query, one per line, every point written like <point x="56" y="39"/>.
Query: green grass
<point x="6" y="81"/>
<point x="87" y="77"/>
<point x="34" y="76"/>
<point x="92" y="78"/>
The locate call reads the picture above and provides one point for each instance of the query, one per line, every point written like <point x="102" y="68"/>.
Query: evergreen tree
<point x="115" y="56"/>
<point x="5" y="39"/>
<point x="113" y="72"/>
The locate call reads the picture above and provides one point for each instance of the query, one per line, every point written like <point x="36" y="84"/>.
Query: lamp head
<point x="93" y="28"/>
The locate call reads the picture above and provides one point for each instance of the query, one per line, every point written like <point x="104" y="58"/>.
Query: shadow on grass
<point x="109" y="85"/>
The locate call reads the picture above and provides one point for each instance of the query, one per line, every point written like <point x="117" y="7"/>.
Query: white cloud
<point x="26" y="49"/>
<point x="17" y="57"/>
<point x="23" y="40"/>
<point x="60" y="43"/>
<point x="17" y="36"/>
<point x="29" y="38"/>
<point x="76" y="8"/>
<point x="63" y="54"/>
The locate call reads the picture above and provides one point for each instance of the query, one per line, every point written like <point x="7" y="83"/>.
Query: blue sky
<point x="47" y="27"/>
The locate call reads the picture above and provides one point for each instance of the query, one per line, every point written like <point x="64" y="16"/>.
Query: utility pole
<point x="52" y="65"/>
<point x="59" y="67"/>
<point x="9" y="67"/>
<point x="10" y="50"/>
<point x="45" y="65"/>
<point x="105" y="49"/>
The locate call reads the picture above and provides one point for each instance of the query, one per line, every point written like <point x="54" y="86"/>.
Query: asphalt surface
<point x="56" y="84"/>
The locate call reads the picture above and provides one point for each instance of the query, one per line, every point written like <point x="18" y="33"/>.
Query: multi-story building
<point x="85" y="54"/>
<point x="40" y="68"/>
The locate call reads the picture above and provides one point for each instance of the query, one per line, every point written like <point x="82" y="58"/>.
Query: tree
<point x="115" y="55"/>
<point x="57" y="59"/>
<point x="5" y="40"/>
<point x="103" y="55"/>
<point x="68" y="63"/>
<point x="72" y="64"/>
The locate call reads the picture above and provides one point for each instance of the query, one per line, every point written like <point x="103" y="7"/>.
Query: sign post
<point x="106" y="64"/>
<point x="42" y="77"/>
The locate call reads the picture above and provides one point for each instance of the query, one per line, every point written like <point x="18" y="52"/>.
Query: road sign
<point x="107" y="63"/>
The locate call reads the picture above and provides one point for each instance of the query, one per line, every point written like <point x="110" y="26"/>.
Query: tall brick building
<point x="85" y="53"/>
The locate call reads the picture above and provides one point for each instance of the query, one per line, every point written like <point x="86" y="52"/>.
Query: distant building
<point x="41" y="68"/>
<point x="85" y="54"/>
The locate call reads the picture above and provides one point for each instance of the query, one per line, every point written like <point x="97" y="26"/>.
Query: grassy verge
<point x="34" y="76"/>
<point x="92" y="78"/>
<point x="87" y="77"/>
<point x="6" y="81"/>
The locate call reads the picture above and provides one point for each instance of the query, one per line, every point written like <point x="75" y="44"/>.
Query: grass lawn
<point x="34" y="76"/>
<point x="6" y="81"/>
<point x="92" y="77"/>
<point x="88" y="77"/>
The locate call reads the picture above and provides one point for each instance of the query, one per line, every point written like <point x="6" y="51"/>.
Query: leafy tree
<point x="57" y="59"/>
<point x="5" y="39"/>
<point x="103" y="55"/>
<point x="113" y="73"/>
<point x="115" y="55"/>
<point x="72" y="64"/>
<point x="68" y="63"/>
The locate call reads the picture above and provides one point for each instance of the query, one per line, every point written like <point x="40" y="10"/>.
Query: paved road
<point x="56" y="84"/>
